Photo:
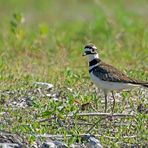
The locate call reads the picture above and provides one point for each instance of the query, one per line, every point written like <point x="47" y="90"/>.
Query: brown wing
<point x="109" y="73"/>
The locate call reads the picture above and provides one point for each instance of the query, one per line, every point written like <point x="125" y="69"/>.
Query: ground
<point x="42" y="41"/>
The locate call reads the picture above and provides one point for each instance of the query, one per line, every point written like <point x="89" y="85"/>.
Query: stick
<point x="81" y="135"/>
<point x="92" y="114"/>
<point x="103" y="114"/>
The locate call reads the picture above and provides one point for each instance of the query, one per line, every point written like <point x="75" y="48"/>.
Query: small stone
<point x="54" y="144"/>
<point x="44" y="84"/>
<point x="48" y="145"/>
<point x="70" y="89"/>
<point x="48" y="95"/>
<point x="92" y="142"/>
<point x="60" y="144"/>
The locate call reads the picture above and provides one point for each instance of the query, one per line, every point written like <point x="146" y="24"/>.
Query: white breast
<point x="106" y="85"/>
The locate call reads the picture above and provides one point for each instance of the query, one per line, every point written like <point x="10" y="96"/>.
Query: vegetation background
<point x="43" y="41"/>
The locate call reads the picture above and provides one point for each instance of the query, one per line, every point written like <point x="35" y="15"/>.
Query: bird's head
<point x="90" y="51"/>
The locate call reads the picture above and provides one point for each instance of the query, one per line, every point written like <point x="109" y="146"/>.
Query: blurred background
<point x="40" y="39"/>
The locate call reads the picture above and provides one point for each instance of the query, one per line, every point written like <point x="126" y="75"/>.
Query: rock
<point x="54" y="144"/>
<point x="76" y="145"/>
<point x="48" y="145"/>
<point x="91" y="141"/>
<point x="10" y="145"/>
<point x="44" y="84"/>
<point x="60" y="144"/>
<point x="8" y="140"/>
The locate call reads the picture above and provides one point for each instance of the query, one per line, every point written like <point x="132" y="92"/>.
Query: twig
<point x="79" y="123"/>
<point x="92" y="107"/>
<point x="92" y="114"/>
<point x="47" y="119"/>
<point x="82" y="123"/>
<point x="94" y="125"/>
<point x="103" y="114"/>
<point x="69" y="136"/>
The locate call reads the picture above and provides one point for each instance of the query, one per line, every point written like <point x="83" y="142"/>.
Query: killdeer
<point x="106" y="77"/>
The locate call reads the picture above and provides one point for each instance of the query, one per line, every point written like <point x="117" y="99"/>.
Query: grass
<point x="44" y="40"/>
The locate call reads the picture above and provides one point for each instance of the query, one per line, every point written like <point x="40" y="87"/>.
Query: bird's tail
<point x="145" y="85"/>
<point x="142" y="83"/>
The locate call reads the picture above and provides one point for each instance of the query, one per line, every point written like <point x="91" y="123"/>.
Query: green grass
<point x="44" y="40"/>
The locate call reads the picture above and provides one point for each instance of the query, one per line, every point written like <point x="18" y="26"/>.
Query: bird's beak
<point x="84" y="54"/>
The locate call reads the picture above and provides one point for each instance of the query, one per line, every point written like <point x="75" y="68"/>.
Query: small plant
<point x="16" y="25"/>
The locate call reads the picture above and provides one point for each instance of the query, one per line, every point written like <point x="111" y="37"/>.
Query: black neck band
<point x="94" y="62"/>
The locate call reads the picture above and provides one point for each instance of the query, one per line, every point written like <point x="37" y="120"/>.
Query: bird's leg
<point x="113" y="102"/>
<point x="105" y="102"/>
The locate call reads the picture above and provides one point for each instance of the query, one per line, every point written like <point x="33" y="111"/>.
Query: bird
<point x="107" y="77"/>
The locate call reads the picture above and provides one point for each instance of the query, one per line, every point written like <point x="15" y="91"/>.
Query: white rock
<point x="44" y="84"/>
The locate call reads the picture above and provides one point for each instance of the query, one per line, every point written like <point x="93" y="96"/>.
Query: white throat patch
<point x="92" y="56"/>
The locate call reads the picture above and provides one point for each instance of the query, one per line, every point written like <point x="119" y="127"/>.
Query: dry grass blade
<point x="69" y="136"/>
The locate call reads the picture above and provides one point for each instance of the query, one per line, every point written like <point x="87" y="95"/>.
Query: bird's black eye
<point x="93" y="50"/>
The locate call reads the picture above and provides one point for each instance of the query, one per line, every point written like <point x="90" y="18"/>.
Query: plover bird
<point x="106" y="77"/>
